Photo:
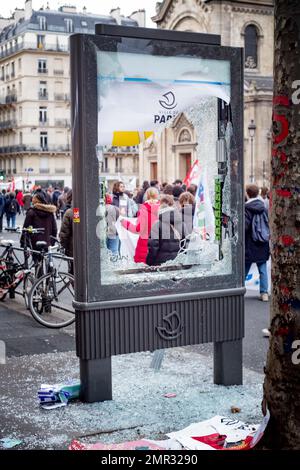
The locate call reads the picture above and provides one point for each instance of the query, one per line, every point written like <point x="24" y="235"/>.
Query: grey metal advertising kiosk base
<point x="123" y="319"/>
<point x="208" y="317"/>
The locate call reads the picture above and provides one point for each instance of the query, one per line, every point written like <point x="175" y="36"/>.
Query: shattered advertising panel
<point x="168" y="214"/>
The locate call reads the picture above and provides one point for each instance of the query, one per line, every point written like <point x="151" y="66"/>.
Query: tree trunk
<point x="282" y="379"/>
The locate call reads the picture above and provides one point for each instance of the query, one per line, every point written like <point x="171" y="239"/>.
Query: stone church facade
<point x="241" y="23"/>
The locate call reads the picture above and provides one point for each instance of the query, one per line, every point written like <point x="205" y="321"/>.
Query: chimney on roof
<point x="116" y="14"/>
<point x="140" y="17"/>
<point x="28" y="9"/>
<point x="68" y="9"/>
<point x="18" y="14"/>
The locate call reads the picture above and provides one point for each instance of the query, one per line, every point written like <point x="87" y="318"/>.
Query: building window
<point x="105" y="165"/>
<point x="13" y="70"/>
<point x="20" y="64"/>
<point x="20" y="89"/>
<point x="20" y="114"/>
<point x="42" y="23"/>
<point x="69" y="25"/>
<point x="42" y="66"/>
<point x="40" y="41"/>
<point x="44" y="140"/>
<point x="21" y="138"/>
<point x="43" y="94"/>
<point x="43" y="114"/>
<point x="44" y="165"/>
<point x="251" y="45"/>
<point x="118" y="164"/>
<point x="2" y="73"/>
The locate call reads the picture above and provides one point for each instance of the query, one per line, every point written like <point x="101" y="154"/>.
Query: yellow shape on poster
<point x="129" y="138"/>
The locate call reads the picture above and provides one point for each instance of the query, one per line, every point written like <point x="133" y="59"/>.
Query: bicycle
<point x="12" y="271"/>
<point x="51" y="297"/>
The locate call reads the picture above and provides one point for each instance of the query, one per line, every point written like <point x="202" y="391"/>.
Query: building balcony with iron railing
<point x="61" y="97"/>
<point x="58" y="72"/>
<point x="42" y="70"/>
<point x="122" y="150"/>
<point x="33" y="46"/>
<point x="44" y="123"/>
<point x="42" y="95"/>
<point x="22" y="148"/>
<point x="8" y="125"/>
<point x="8" y="99"/>
<point x="62" y="123"/>
<point x="105" y="169"/>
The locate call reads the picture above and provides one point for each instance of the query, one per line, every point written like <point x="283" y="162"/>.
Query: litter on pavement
<point x="58" y="395"/>
<point x="217" y="433"/>
<point x="9" y="443"/>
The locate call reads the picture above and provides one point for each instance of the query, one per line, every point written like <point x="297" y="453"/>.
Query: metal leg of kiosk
<point x="228" y="363"/>
<point x="95" y="377"/>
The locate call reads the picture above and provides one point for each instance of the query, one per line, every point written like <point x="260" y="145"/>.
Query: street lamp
<point x="251" y="130"/>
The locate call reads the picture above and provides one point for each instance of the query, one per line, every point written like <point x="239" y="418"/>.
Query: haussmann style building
<point x="35" y="128"/>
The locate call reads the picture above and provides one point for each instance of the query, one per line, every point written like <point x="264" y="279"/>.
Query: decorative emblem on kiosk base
<point x="170" y="332"/>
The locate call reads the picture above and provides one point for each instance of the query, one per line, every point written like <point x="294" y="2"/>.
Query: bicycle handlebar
<point x="33" y="230"/>
<point x="26" y="230"/>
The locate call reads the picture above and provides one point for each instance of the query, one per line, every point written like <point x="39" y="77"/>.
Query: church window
<point x="251" y="43"/>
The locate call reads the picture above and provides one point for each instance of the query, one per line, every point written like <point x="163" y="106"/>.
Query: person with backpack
<point x="2" y="208"/>
<point x="257" y="236"/>
<point x="12" y="208"/>
<point x="166" y="234"/>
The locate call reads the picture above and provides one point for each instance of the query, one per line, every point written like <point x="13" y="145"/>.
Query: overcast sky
<point x="93" y="6"/>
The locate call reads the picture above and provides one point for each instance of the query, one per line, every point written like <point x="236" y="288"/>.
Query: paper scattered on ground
<point x="138" y="399"/>
<point x="217" y="433"/>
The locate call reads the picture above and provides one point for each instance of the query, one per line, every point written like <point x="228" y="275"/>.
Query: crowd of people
<point x="160" y="214"/>
<point x="41" y="208"/>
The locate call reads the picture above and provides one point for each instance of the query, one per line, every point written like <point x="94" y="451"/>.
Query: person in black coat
<point x="41" y="215"/>
<point x="166" y="234"/>
<point x="256" y="252"/>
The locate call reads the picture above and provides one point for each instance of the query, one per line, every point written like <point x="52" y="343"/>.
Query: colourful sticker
<point x="76" y="216"/>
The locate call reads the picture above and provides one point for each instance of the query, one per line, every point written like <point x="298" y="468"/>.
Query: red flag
<point x="193" y="174"/>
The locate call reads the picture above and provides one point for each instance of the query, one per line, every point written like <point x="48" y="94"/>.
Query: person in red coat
<point x="146" y="217"/>
<point x="19" y="198"/>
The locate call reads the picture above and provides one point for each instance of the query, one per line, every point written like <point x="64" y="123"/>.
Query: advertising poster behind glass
<point x="175" y="228"/>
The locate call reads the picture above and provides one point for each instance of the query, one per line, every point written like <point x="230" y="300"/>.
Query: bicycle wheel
<point x="51" y="300"/>
<point x="27" y="286"/>
<point x="5" y="278"/>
